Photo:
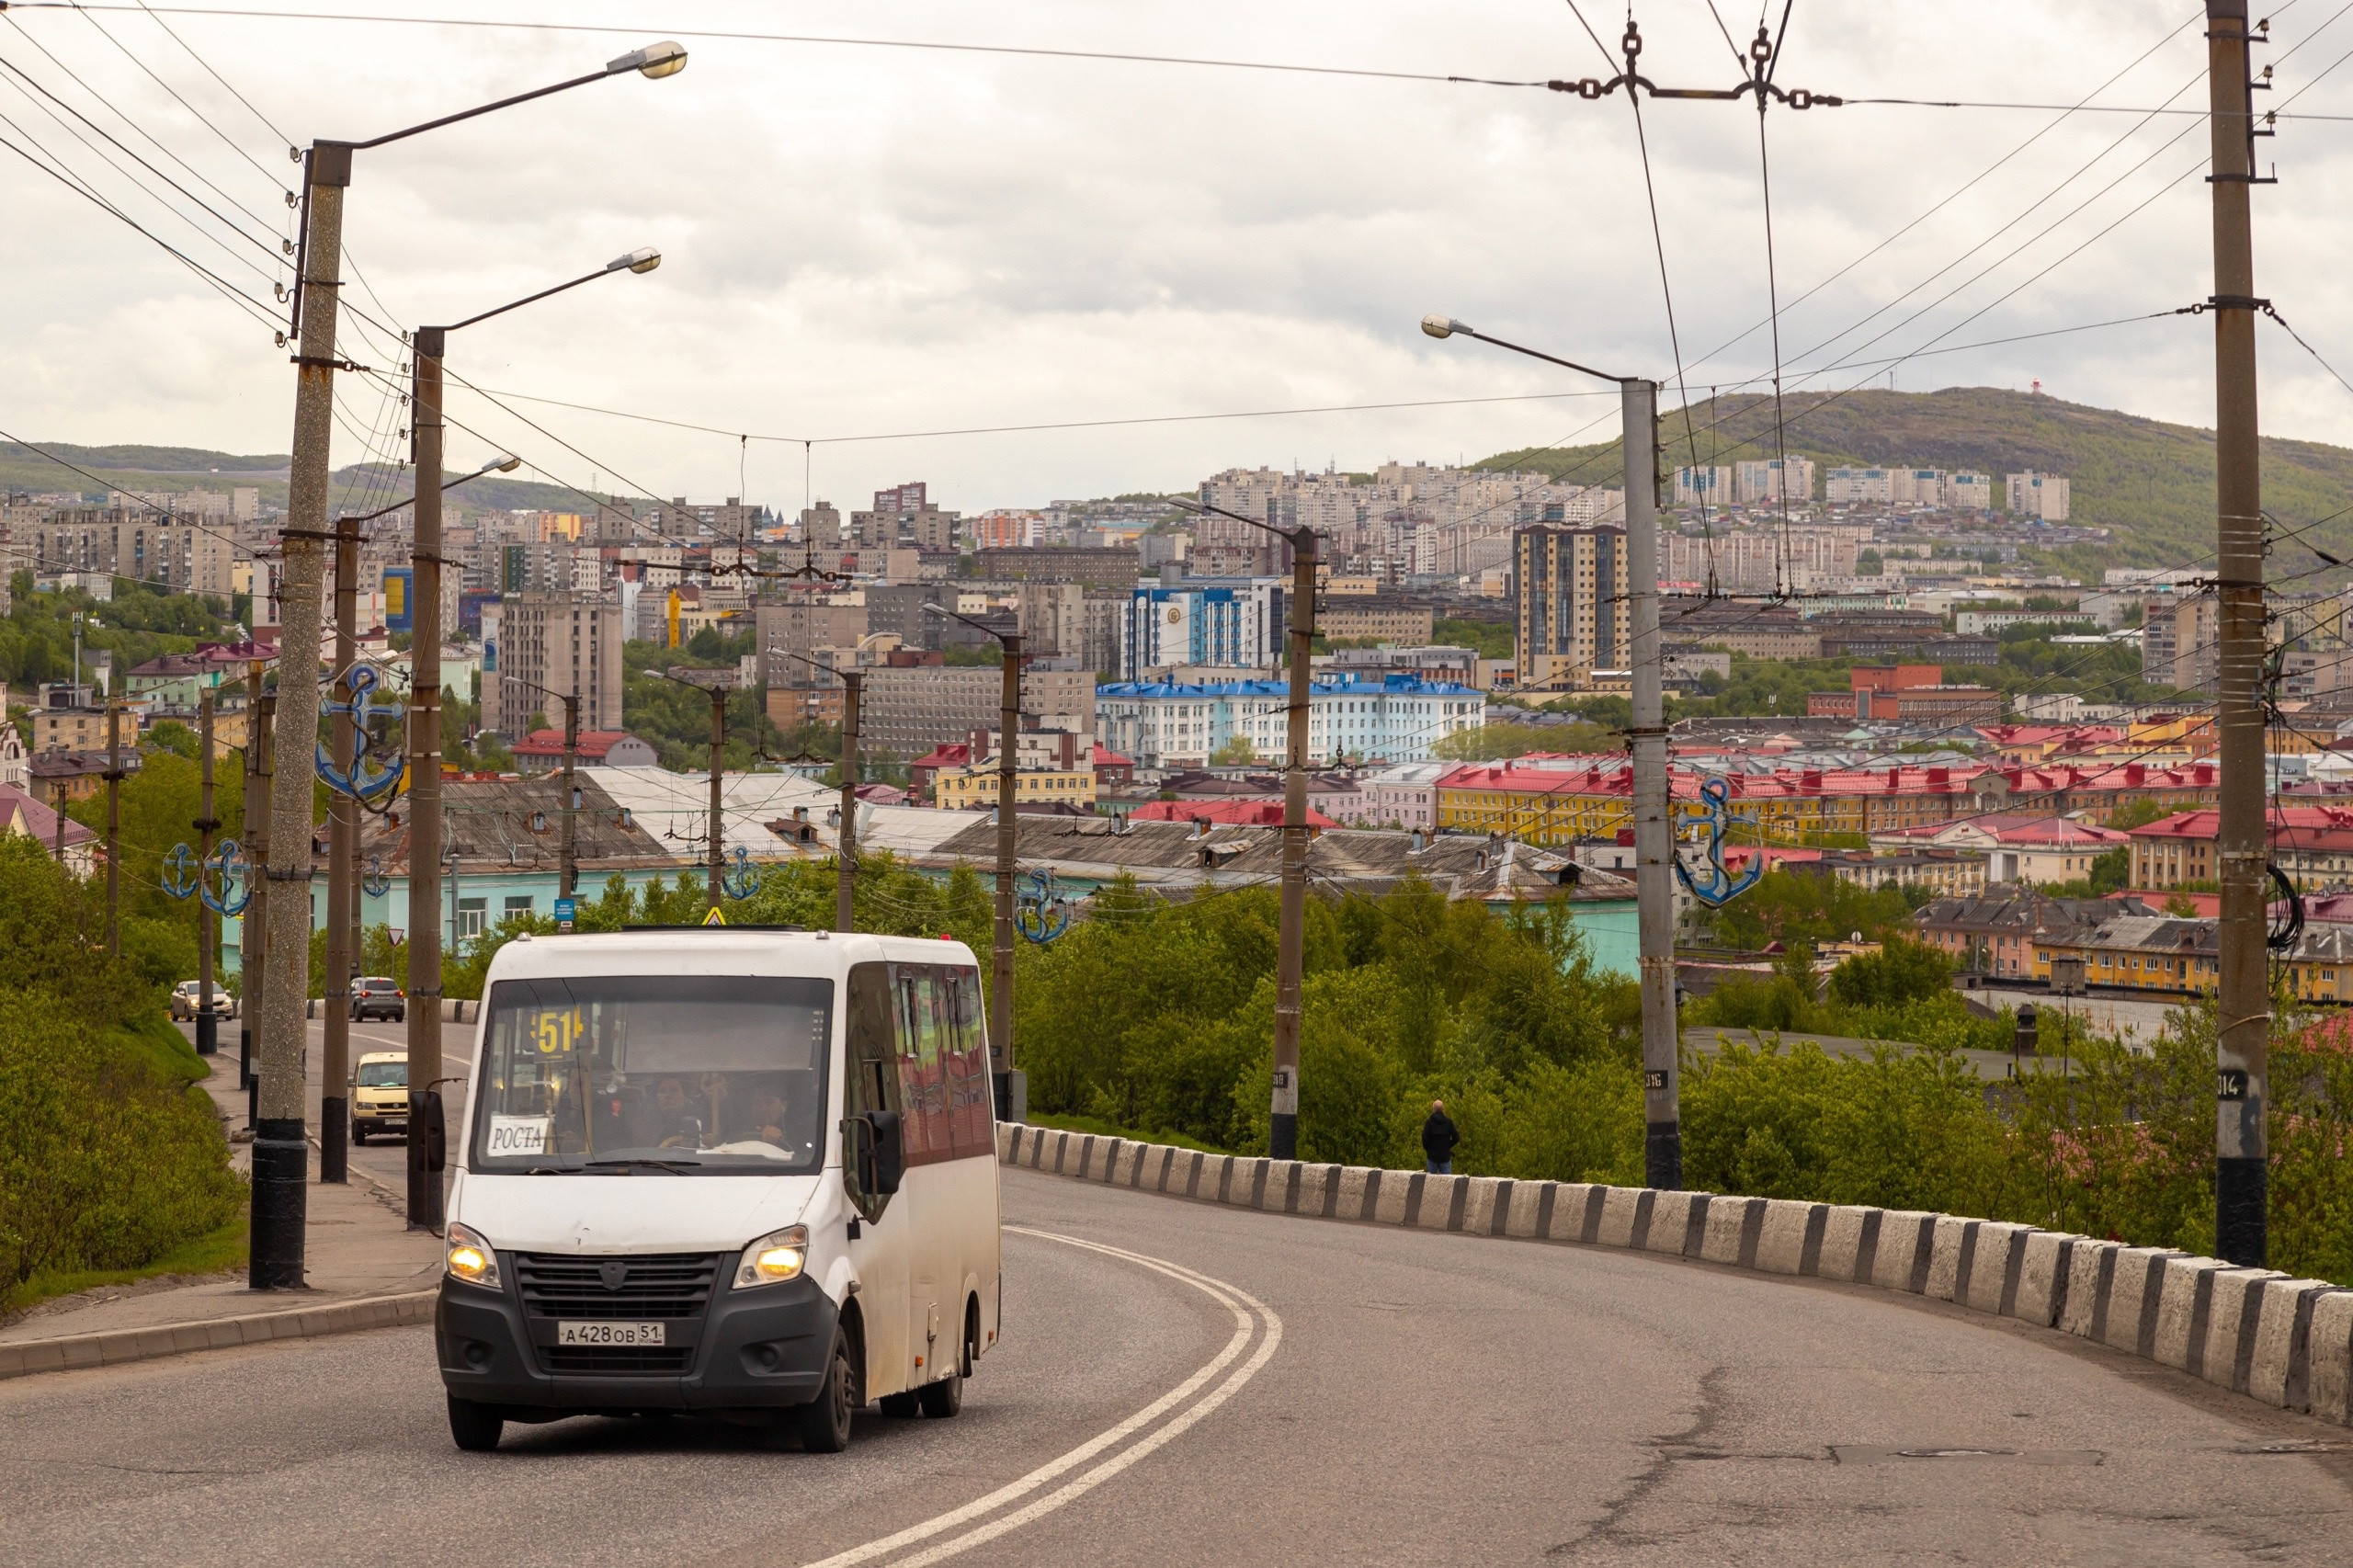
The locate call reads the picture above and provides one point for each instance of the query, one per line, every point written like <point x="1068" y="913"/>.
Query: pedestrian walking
<point x="1438" y="1139"/>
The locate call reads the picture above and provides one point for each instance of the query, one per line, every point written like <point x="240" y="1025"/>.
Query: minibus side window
<point x="869" y="1068"/>
<point x="972" y="1115"/>
<point x="923" y="1078"/>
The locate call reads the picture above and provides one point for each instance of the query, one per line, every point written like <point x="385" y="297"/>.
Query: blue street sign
<point x="563" y="911"/>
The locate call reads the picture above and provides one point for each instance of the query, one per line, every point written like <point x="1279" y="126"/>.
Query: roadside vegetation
<point x="112" y="1162"/>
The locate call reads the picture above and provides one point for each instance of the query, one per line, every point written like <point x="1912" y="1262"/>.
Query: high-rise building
<point x="1858" y="487"/>
<point x="1233" y="622"/>
<point x="1706" y="486"/>
<point x="1969" y="492"/>
<point x="2041" y="495"/>
<point x="565" y="643"/>
<point x="1773" y="480"/>
<point x="1573" y="611"/>
<point x="908" y="709"/>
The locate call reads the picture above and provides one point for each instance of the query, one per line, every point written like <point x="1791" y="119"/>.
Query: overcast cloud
<point x="865" y="241"/>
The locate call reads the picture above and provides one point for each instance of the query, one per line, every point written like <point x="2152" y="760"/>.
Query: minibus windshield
<point x="648" y="1074"/>
<point x="383" y="1074"/>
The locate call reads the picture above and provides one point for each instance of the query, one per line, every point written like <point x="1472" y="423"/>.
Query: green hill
<point x="2151" y="482"/>
<point x="178" y="469"/>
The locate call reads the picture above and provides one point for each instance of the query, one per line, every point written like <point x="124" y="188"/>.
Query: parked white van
<point x="739" y="1171"/>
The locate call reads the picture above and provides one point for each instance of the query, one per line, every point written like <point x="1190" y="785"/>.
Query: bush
<point x="105" y="1162"/>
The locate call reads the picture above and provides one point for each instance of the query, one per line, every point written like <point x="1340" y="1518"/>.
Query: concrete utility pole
<point x="114" y="828"/>
<point x="1654" y="827"/>
<point x="1008" y="826"/>
<point x="2242" y="1047"/>
<point x="718" y="826"/>
<point x="343" y="890"/>
<point x="282" y="1153"/>
<point x="568" y="863"/>
<point x="424" y="777"/>
<point x="208" y="1029"/>
<point x="1290" y="942"/>
<point x="846" y="840"/>
<point x="251" y="924"/>
<point x="259" y="812"/>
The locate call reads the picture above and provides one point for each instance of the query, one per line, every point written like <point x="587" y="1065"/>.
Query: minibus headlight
<point x="774" y="1258"/>
<point x="468" y="1256"/>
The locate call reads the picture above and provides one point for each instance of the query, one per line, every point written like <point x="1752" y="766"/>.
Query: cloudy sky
<point x="864" y="241"/>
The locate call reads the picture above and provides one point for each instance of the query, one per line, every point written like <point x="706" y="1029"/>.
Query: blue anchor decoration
<point x="180" y="871"/>
<point x="742" y="880"/>
<point x="1722" y="887"/>
<point x="373" y="881"/>
<point x="1042" y="914"/>
<point x="368" y="708"/>
<point x="227" y="862"/>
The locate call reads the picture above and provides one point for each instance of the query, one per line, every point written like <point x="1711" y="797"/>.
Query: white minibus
<point x="739" y="1171"/>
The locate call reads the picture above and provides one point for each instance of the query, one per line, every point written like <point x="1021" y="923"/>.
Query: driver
<point x="673" y="1126"/>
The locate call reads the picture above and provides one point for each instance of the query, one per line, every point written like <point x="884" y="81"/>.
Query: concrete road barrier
<point x="1995" y="1262"/>
<point x="1850" y="1243"/>
<point x="2042" y="1292"/>
<point x="1730" y="1231"/>
<point x="1790" y="1239"/>
<point x="72" y="1352"/>
<point x="1904" y="1249"/>
<point x="1678" y="1221"/>
<point x="2288" y="1342"/>
<point x="2329" y="1348"/>
<point x="2132" y="1300"/>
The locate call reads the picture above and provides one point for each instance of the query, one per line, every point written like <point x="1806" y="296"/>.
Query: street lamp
<point x="1011" y="1106"/>
<point x="1653" y="841"/>
<point x="281" y="1155"/>
<point x="1290" y="940"/>
<point x="344" y="902"/>
<point x="425" y="719"/>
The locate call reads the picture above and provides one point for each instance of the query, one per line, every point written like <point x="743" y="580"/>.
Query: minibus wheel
<point x="824" y="1421"/>
<point x="475" y="1427"/>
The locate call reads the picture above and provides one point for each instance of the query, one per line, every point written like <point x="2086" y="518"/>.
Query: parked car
<point x="378" y="996"/>
<point x="185" y="1001"/>
<point x="378" y="1094"/>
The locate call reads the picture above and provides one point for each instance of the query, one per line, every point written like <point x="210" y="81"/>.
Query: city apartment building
<point x="1234" y="622"/>
<point x="1395" y="719"/>
<point x="2314" y="845"/>
<point x="2181" y="643"/>
<point x="568" y="644"/>
<point x="185" y="557"/>
<point x="801" y="625"/>
<point x="1388" y="620"/>
<point x="1772" y="480"/>
<point x="2040" y="495"/>
<point x="1573" y="612"/>
<point x="1760" y="560"/>
<point x="1113" y="566"/>
<point x="910" y="709"/>
<point x="1760" y="632"/>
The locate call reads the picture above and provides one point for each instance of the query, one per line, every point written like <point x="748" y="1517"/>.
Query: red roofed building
<point x="542" y="751"/>
<point x="2314" y="845"/>
<point x="1224" y="813"/>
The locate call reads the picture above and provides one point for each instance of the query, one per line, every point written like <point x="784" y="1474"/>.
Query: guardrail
<point x="2257" y="1331"/>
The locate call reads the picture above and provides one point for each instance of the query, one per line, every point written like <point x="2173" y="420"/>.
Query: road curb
<point x="2286" y="1343"/>
<point x="122" y="1345"/>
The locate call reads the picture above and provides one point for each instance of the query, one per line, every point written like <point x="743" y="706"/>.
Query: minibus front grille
<point x="575" y="1286"/>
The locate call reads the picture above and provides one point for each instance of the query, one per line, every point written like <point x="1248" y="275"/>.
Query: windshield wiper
<point x="638" y="1161"/>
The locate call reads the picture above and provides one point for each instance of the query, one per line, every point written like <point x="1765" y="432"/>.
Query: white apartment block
<point x="1706" y="486"/>
<point x="2038" y="496"/>
<point x="1969" y="492"/>
<point x="1772" y="480"/>
<point x="1859" y="487"/>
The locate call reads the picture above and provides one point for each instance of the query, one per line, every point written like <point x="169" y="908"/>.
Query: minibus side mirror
<point x="888" y="1151"/>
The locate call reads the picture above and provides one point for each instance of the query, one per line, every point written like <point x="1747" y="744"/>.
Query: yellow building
<point x="960" y="789"/>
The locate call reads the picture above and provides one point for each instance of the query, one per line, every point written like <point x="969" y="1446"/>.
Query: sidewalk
<point x="363" y="1267"/>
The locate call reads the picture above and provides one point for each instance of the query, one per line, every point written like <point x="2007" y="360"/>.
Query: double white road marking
<point x="1250" y="1315"/>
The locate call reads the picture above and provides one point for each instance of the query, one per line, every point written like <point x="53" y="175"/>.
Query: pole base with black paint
<point x="1012" y="1094"/>
<point x="207" y="1035"/>
<point x="2240" y="1194"/>
<point x="335" y="1139"/>
<point x="1663" y="1155"/>
<point x="1283" y="1135"/>
<point x="427" y="1146"/>
<point x="246" y="1058"/>
<point x="281" y="1174"/>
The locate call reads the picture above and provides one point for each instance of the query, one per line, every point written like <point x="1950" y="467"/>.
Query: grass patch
<point x="159" y="1044"/>
<point x="1102" y="1128"/>
<point x="213" y="1252"/>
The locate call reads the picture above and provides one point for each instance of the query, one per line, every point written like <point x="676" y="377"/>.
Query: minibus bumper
<point x="760" y="1349"/>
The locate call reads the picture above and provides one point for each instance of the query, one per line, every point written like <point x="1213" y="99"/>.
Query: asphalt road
<point x="1402" y="1398"/>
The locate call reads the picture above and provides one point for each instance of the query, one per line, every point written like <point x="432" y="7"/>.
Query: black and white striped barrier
<point x="2257" y="1332"/>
